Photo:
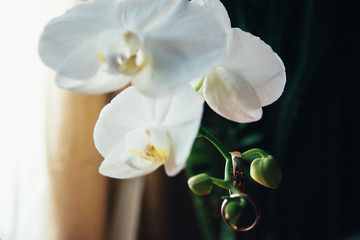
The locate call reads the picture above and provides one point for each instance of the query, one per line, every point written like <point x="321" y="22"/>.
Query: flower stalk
<point x="253" y="151"/>
<point x="226" y="182"/>
<point x="221" y="148"/>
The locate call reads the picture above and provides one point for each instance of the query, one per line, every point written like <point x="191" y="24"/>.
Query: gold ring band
<point x="233" y="226"/>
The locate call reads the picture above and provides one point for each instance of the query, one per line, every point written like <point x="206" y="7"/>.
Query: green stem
<point x="247" y="153"/>
<point x="226" y="154"/>
<point x="225" y="185"/>
<point x="228" y="166"/>
<point x="228" y="186"/>
<point x="206" y="134"/>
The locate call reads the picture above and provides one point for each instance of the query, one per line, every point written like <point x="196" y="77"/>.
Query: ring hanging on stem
<point x="232" y="225"/>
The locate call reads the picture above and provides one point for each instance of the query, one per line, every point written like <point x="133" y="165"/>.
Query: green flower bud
<point x="266" y="171"/>
<point x="233" y="209"/>
<point x="200" y="184"/>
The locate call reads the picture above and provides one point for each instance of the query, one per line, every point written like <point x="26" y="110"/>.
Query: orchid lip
<point x="132" y="65"/>
<point x="152" y="154"/>
<point x="121" y="52"/>
<point x="148" y="147"/>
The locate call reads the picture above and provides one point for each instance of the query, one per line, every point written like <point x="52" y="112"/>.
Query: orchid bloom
<point x="156" y="45"/>
<point x="137" y="134"/>
<point x="248" y="77"/>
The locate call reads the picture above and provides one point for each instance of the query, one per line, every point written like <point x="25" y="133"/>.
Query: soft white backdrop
<point x="23" y="81"/>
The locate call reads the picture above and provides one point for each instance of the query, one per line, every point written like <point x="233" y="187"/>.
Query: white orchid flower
<point x="158" y="45"/>
<point x="137" y="134"/>
<point x="248" y="77"/>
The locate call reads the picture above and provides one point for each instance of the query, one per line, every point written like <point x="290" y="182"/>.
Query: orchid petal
<point x="83" y="63"/>
<point x="127" y="111"/>
<point x="101" y="82"/>
<point x="143" y="15"/>
<point x="250" y="59"/>
<point x="230" y="96"/>
<point x="218" y="9"/>
<point x="183" y="122"/>
<point x="171" y="168"/>
<point x="181" y="47"/>
<point x="73" y="34"/>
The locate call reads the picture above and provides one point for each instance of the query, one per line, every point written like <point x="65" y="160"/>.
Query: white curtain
<point x="23" y="78"/>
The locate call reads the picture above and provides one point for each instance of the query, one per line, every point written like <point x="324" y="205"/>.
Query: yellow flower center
<point x="152" y="154"/>
<point x="130" y="65"/>
<point x="127" y="57"/>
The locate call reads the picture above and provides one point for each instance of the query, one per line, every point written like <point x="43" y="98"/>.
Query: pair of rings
<point x="239" y="183"/>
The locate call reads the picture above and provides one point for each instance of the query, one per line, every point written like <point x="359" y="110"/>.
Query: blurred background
<point x="311" y="131"/>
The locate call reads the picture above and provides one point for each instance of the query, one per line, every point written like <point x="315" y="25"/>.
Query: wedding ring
<point x="238" y="171"/>
<point x="232" y="225"/>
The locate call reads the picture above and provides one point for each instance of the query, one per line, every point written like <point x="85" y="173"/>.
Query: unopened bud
<point x="266" y="171"/>
<point x="200" y="184"/>
<point x="233" y="209"/>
